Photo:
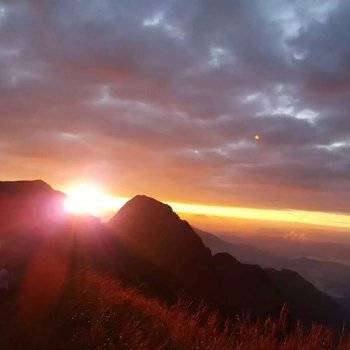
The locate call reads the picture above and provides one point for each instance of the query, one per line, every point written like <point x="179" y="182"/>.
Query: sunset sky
<point x="223" y="103"/>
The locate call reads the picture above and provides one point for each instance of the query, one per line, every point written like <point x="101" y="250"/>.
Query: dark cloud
<point x="168" y="95"/>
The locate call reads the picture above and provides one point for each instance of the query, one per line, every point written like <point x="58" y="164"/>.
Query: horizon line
<point x="314" y="218"/>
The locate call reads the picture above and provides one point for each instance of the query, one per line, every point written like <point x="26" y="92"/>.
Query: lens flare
<point x="87" y="199"/>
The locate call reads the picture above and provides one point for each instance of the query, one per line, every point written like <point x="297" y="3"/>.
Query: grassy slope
<point x="94" y="312"/>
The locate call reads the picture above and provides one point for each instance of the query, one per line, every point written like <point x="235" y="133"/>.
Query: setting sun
<point x="88" y="199"/>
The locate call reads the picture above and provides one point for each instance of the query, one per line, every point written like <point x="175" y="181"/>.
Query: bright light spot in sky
<point x="257" y="137"/>
<point x="89" y="199"/>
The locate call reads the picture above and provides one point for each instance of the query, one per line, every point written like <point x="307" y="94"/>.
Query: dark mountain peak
<point x="25" y="187"/>
<point x="145" y="208"/>
<point x="157" y="234"/>
<point x="29" y="203"/>
<point x="148" y="219"/>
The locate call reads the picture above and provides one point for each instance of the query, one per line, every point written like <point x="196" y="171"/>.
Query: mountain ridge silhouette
<point x="146" y="245"/>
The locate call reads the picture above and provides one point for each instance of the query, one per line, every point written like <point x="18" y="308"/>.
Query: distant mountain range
<point x="146" y="246"/>
<point x="294" y="247"/>
<point x="330" y="277"/>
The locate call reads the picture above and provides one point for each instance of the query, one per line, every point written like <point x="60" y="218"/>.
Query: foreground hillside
<point x="95" y="312"/>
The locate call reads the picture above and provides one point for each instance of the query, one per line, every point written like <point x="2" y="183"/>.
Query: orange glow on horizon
<point x="283" y="216"/>
<point x="92" y="200"/>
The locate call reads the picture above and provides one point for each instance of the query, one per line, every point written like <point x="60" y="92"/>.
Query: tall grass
<point x="105" y="315"/>
<point x="96" y="313"/>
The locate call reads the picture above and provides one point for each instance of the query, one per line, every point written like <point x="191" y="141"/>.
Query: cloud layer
<point x="166" y="97"/>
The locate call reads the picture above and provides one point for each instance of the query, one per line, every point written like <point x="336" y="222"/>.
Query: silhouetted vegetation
<point x="95" y="312"/>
